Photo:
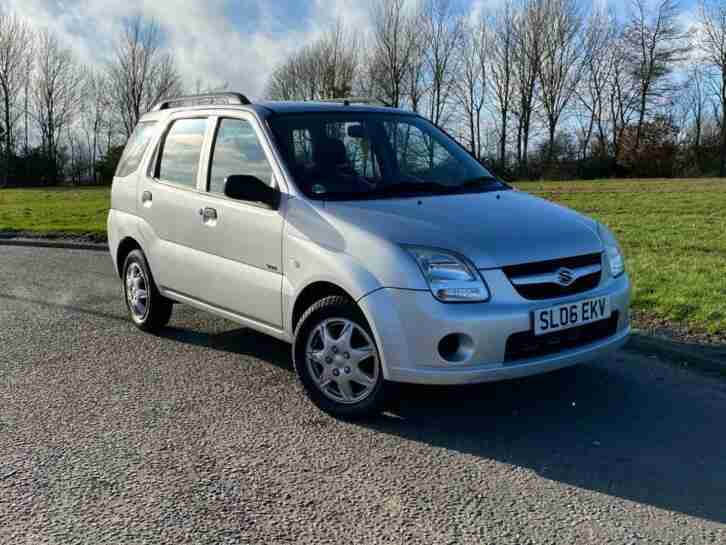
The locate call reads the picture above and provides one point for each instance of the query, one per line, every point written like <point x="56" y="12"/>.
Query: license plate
<point x="547" y="320"/>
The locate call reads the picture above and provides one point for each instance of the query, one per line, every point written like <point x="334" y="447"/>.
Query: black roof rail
<point x="347" y="101"/>
<point x="208" y="99"/>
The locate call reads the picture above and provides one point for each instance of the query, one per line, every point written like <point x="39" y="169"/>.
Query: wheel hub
<point x="137" y="291"/>
<point x="342" y="360"/>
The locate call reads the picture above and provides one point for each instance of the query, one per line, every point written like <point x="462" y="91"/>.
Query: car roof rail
<point x="208" y="99"/>
<point x="347" y="101"/>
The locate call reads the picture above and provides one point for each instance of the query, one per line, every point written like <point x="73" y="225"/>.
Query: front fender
<point x="307" y="263"/>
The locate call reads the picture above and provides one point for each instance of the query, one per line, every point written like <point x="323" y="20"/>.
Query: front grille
<point x="526" y="345"/>
<point x="551" y="290"/>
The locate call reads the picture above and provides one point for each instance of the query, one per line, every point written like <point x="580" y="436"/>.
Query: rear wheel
<point x="149" y="310"/>
<point x="337" y="360"/>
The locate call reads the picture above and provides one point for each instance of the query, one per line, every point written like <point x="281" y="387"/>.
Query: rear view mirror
<point x="251" y="188"/>
<point x="356" y="131"/>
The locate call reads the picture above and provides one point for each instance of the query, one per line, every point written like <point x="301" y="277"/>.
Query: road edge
<point x="712" y="360"/>
<point x="62" y="244"/>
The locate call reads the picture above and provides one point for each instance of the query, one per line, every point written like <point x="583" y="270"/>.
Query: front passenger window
<point x="237" y="151"/>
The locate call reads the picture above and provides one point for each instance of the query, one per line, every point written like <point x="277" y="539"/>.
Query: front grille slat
<point x="526" y="345"/>
<point x="551" y="290"/>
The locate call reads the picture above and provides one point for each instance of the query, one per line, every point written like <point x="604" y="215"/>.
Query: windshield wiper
<point x="416" y="188"/>
<point x="480" y="182"/>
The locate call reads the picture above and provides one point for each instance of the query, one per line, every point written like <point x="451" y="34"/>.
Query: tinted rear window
<point x="135" y="148"/>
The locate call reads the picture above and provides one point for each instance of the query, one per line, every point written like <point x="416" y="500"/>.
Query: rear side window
<point x="237" y="151"/>
<point x="181" y="152"/>
<point x="135" y="148"/>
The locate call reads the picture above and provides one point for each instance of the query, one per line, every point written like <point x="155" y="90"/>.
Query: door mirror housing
<point x="251" y="188"/>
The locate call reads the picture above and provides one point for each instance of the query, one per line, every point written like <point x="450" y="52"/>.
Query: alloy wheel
<point x="342" y="360"/>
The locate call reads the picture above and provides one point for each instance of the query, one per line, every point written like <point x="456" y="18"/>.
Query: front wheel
<point x="337" y="360"/>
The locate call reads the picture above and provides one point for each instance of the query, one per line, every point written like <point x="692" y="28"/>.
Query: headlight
<point x="450" y="277"/>
<point x="612" y="251"/>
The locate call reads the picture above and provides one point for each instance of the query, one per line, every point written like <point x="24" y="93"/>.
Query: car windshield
<point x="339" y="156"/>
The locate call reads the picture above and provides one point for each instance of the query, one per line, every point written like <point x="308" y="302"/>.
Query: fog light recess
<point x="456" y="347"/>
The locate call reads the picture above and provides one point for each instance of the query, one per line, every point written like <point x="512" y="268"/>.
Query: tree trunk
<point x="641" y="118"/>
<point x="8" y="139"/>
<point x="503" y="139"/>
<point x="551" y="147"/>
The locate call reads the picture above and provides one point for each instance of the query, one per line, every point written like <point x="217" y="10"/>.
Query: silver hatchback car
<point x="367" y="238"/>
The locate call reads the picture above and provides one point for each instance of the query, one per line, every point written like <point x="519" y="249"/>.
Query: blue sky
<point x="215" y="41"/>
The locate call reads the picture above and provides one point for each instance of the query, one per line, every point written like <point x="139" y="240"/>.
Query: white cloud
<point x="207" y="44"/>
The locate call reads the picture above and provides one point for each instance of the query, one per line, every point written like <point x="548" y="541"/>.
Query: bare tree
<point x="622" y="95"/>
<point x="141" y="72"/>
<point x="472" y="83"/>
<point x="338" y="61"/>
<point x="529" y="30"/>
<point x="418" y="84"/>
<point x="654" y="43"/>
<point x="712" y="43"/>
<point x="56" y="95"/>
<point x="599" y="40"/>
<point x="16" y="40"/>
<point x="27" y="90"/>
<point x="95" y="114"/>
<point x="444" y="34"/>
<point x="501" y="70"/>
<point x="561" y="61"/>
<point x="285" y="81"/>
<point x="321" y="70"/>
<point x="393" y="46"/>
<point x="696" y="94"/>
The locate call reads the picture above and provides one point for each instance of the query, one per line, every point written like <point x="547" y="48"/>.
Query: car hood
<point x="492" y="229"/>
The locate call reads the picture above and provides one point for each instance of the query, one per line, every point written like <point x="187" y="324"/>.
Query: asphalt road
<point x="202" y="435"/>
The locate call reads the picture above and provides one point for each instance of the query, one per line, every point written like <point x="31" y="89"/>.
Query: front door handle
<point x="209" y="215"/>
<point x="146" y="198"/>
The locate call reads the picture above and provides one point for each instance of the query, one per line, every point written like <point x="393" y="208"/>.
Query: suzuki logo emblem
<point x="565" y="277"/>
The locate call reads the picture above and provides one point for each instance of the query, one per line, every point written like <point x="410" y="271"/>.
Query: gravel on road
<point x="202" y="435"/>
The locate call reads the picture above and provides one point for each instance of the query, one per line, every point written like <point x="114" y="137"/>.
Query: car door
<point x="169" y="201"/>
<point x="243" y="239"/>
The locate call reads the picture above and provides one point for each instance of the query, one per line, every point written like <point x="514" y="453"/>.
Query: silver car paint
<point x="357" y="246"/>
<point x="491" y="229"/>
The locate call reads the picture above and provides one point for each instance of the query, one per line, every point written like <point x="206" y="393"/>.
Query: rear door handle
<point x="146" y="198"/>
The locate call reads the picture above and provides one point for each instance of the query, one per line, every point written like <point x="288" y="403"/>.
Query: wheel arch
<point x="125" y="247"/>
<point x="311" y="293"/>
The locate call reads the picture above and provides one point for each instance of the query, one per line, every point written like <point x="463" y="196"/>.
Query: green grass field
<point x="673" y="234"/>
<point x="55" y="211"/>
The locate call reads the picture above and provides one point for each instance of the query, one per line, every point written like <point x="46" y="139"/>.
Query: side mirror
<point x="251" y="188"/>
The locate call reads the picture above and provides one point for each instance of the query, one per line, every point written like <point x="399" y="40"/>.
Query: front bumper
<point x="408" y="326"/>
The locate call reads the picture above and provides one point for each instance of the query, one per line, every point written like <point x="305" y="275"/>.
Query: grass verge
<point x="56" y="211"/>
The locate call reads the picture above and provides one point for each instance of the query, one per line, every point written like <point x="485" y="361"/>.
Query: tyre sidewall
<point x="158" y="308"/>
<point x="334" y="307"/>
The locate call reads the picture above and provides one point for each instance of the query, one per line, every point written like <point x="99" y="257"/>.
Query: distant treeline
<point x="539" y="88"/>
<point x="533" y="88"/>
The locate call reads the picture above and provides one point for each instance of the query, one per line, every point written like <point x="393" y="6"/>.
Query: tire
<point x="149" y="310"/>
<point x="341" y="373"/>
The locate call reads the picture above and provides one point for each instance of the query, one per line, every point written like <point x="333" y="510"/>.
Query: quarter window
<point x="237" y="151"/>
<point x="181" y="152"/>
<point x="135" y="148"/>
